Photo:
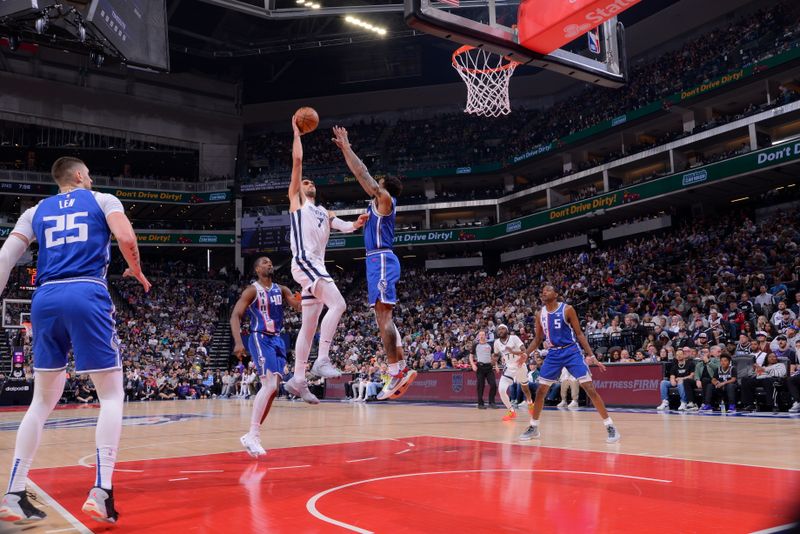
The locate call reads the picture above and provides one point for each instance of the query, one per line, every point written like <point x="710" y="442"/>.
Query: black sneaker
<point x="99" y="505"/>
<point x="15" y="507"/>
<point x="481" y="406"/>
<point x="493" y="406"/>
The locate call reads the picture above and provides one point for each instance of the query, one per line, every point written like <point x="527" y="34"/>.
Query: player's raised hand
<point x="361" y="221"/>
<point x="238" y="351"/>
<point x="140" y="277"/>
<point x="295" y="128"/>
<point x="340" y="137"/>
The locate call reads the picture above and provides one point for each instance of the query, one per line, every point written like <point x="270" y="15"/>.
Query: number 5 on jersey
<point x="65" y="223"/>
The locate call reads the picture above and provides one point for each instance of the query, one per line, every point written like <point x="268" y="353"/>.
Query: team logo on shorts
<point x="458" y="382"/>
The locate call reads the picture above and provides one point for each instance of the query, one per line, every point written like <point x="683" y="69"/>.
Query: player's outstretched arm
<point x="247" y="297"/>
<point x="122" y="229"/>
<point x="295" y="202"/>
<point x="357" y="167"/>
<point x="12" y="250"/>
<point x="572" y="318"/>
<point x="347" y="227"/>
<point x="290" y="297"/>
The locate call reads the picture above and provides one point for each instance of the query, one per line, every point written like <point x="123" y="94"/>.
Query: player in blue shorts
<point x="263" y="302"/>
<point x="383" y="267"/>
<point x="557" y="323"/>
<point x="71" y="308"/>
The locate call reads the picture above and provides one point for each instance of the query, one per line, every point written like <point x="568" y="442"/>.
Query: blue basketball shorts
<point x="383" y="273"/>
<point x="76" y="314"/>
<point x="570" y="357"/>
<point x="268" y="353"/>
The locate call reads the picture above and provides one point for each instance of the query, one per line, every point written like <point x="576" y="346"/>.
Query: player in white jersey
<point x="310" y="229"/>
<point x="512" y="351"/>
<point x="71" y="309"/>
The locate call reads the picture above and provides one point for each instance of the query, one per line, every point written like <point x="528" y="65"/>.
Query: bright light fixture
<point x="366" y="25"/>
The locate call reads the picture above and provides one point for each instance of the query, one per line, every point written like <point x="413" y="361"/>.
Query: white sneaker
<point x="664" y="405"/>
<point x="325" y="369"/>
<point x="682" y="407"/>
<point x="795" y="408"/>
<point x="300" y="389"/>
<point x="252" y="445"/>
<point x="562" y="404"/>
<point x="573" y="405"/>
<point x="692" y="407"/>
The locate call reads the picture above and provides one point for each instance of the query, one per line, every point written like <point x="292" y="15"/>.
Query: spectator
<point x="704" y="373"/>
<point x="764" y="377"/>
<point x="724" y="382"/>
<point x="568" y="384"/>
<point x="681" y="376"/>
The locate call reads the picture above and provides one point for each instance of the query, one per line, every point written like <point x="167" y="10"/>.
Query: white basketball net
<point x="487" y="76"/>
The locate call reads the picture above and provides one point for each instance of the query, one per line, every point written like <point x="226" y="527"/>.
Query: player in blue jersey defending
<point x="263" y="302"/>
<point x="71" y="308"/>
<point x="383" y="267"/>
<point x="557" y="323"/>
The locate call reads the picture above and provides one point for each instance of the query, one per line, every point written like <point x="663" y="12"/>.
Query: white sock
<point x="302" y="347"/>
<point x="505" y="383"/>
<point x="401" y="364"/>
<point x="111" y="394"/>
<point x="329" y="294"/>
<point x="48" y="387"/>
<point x="263" y="402"/>
<point x="394" y="369"/>
<point x="534" y="422"/>
<point x="607" y="421"/>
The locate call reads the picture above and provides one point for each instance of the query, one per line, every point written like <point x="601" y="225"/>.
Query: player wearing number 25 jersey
<point x="71" y="309"/>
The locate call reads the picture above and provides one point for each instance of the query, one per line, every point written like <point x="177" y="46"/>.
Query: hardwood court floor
<point x="342" y="467"/>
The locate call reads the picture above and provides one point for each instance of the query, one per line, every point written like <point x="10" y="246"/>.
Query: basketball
<point x="307" y="119"/>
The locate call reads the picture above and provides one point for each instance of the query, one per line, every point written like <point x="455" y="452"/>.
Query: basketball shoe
<point x="398" y="385"/>
<point x="99" y="505"/>
<point x="531" y="433"/>
<point x="299" y="388"/>
<point x="15" y="507"/>
<point x="252" y="445"/>
<point x="325" y="369"/>
<point x="613" y="434"/>
<point x="510" y="415"/>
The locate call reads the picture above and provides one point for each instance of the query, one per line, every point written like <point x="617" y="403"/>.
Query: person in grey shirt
<point x="484" y="368"/>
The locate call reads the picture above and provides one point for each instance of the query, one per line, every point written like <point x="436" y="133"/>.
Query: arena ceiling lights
<point x="366" y="25"/>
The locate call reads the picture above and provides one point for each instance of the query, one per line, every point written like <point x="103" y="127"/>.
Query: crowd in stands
<point x="457" y="139"/>
<point x="725" y="281"/>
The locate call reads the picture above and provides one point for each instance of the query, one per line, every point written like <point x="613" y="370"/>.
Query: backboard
<point x="15" y="313"/>
<point x="578" y="38"/>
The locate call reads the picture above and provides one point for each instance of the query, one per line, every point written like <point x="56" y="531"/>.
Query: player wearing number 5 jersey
<point x="71" y="309"/>
<point x="557" y="324"/>
<point x="263" y="302"/>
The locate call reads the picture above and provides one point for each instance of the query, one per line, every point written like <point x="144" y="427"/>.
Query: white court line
<point x="451" y="451"/>
<point x="609" y="451"/>
<point x="361" y="459"/>
<point x="60" y="530"/>
<point x="403" y="451"/>
<point x="288" y="467"/>
<point x="208" y="471"/>
<point x="71" y="519"/>
<point x="177" y="479"/>
<point x="780" y="528"/>
<point x="84" y="463"/>
<point x="311" y="505"/>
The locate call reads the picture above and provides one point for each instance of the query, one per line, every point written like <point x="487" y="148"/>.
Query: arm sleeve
<point x="10" y="253"/>
<point x="343" y="226"/>
<point x="109" y="203"/>
<point x="24" y="225"/>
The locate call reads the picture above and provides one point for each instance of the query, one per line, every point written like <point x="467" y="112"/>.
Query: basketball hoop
<point x="487" y="76"/>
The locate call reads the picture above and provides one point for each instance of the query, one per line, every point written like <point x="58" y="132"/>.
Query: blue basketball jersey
<point x="266" y="310"/>
<point x="73" y="235"/>
<point x="557" y="331"/>
<point x="379" y="229"/>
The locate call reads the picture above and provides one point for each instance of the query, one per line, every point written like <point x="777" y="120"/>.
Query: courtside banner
<point x="621" y="385"/>
<point x="634" y="384"/>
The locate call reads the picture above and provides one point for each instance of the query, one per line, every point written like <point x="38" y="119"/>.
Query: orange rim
<point x="466" y="48"/>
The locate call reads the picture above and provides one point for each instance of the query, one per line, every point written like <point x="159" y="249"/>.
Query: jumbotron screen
<point x="136" y="28"/>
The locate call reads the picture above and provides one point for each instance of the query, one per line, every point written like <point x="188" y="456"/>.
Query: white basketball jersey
<point x="513" y="343"/>
<point x="310" y="229"/>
